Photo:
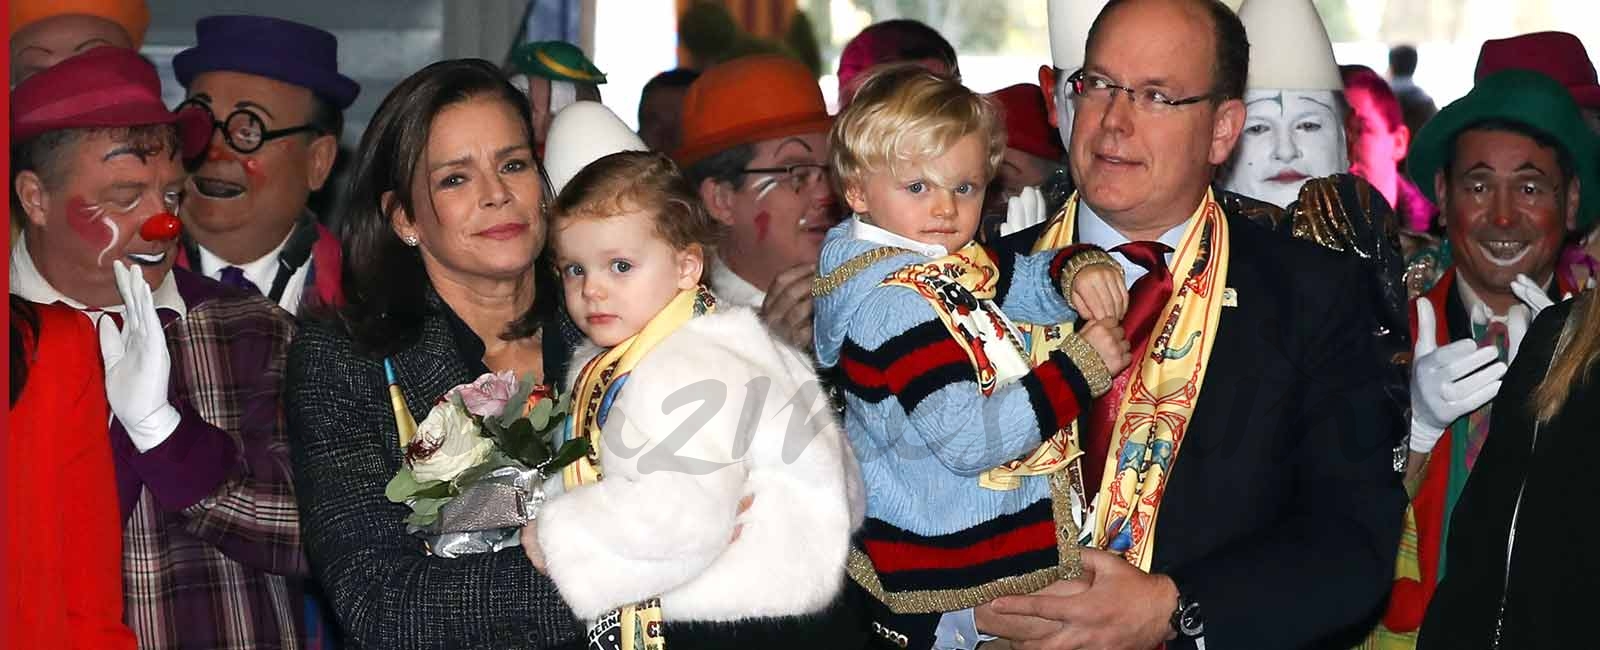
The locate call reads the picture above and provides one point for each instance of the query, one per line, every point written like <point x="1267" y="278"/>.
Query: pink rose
<point x="488" y="395"/>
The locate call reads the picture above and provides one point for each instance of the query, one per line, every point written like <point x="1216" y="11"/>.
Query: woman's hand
<point x="530" y="546"/>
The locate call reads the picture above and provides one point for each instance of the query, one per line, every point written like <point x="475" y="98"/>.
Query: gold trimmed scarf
<point x="637" y="626"/>
<point x="1160" y="398"/>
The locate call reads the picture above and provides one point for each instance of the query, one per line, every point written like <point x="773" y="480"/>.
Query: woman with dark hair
<point x="444" y="281"/>
<point x="61" y="586"/>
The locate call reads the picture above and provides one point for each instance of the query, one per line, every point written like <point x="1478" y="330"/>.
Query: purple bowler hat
<point x="268" y="47"/>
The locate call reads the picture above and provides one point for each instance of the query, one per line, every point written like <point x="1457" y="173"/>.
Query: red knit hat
<point x="104" y="87"/>
<point x="1027" y="126"/>
<point x="748" y="100"/>
<point x="1558" y="55"/>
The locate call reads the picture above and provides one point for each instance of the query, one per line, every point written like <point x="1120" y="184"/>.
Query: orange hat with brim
<point x="132" y="15"/>
<point x="748" y="100"/>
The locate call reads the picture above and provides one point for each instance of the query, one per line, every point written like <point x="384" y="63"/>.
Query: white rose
<point x="452" y="435"/>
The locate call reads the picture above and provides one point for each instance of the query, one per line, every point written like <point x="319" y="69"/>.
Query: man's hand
<point x="1122" y="609"/>
<point x="530" y="546"/>
<point x="1447" y="382"/>
<point x="137" y="364"/>
<point x="1019" y="627"/>
<point x="787" y="308"/>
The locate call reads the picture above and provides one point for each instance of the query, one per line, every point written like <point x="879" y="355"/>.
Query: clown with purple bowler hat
<point x="276" y="96"/>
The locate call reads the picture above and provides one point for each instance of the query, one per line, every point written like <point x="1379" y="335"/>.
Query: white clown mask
<point x="1289" y="136"/>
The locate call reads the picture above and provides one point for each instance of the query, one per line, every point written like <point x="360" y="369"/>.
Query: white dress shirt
<point x="262" y="272"/>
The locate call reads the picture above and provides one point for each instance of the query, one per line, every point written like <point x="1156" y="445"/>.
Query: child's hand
<point x="1108" y="340"/>
<point x="530" y="546"/>
<point x="1098" y="292"/>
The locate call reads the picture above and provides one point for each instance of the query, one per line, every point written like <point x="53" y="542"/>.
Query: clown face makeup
<point x="243" y="205"/>
<point x="1506" y="209"/>
<point x="107" y="191"/>
<point x="776" y="219"/>
<point x="1288" y="138"/>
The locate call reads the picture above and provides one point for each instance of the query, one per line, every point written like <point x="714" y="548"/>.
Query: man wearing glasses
<point x="755" y="144"/>
<point x="1246" y="494"/>
<point x="275" y="95"/>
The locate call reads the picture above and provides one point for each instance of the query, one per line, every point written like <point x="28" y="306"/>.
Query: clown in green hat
<point x="553" y="74"/>
<point x="1512" y="168"/>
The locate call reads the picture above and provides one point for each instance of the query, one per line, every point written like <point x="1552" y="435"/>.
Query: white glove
<point x="1024" y="211"/>
<point x="1531" y="294"/>
<point x="137" y="365"/>
<point x="1447" y="382"/>
<point x="1517" y="320"/>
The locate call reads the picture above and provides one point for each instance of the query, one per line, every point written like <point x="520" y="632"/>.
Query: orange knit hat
<point x="748" y="100"/>
<point x="132" y="15"/>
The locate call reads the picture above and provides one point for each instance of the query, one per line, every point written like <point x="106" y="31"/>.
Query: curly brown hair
<point x="646" y="181"/>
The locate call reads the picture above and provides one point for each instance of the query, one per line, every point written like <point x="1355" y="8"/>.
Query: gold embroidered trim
<point x="934" y="601"/>
<point x="1090" y="365"/>
<point x="1078" y="263"/>
<point x="833" y="280"/>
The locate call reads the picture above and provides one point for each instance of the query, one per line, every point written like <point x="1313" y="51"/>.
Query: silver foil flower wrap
<point x="488" y="515"/>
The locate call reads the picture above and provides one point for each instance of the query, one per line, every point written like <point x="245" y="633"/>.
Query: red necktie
<point x="1145" y="302"/>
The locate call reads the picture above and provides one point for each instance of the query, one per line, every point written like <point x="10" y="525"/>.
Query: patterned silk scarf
<point x="1155" y="410"/>
<point x="961" y="289"/>
<point x="637" y="626"/>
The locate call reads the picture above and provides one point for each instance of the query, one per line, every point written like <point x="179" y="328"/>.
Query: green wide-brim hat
<point x="1522" y="97"/>
<point x="558" y="60"/>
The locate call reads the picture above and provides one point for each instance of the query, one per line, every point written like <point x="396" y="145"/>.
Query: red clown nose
<point x="163" y="226"/>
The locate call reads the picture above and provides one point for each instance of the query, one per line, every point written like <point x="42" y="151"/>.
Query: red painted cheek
<point x="763" y="224"/>
<point x="88" y="221"/>
<point x="252" y="168"/>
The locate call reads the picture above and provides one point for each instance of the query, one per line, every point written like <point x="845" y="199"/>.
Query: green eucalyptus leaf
<point x="569" y="453"/>
<point x="402" y="486"/>
<point x="518" y="401"/>
<point x="435" y="490"/>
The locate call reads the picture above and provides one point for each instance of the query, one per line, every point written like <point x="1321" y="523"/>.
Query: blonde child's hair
<point x="644" y="181"/>
<point x="905" y="115"/>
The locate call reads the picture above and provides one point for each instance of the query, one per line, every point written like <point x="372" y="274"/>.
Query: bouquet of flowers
<point x="476" y="466"/>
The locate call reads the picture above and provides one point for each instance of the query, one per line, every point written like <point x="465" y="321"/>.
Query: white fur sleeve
<point x="667" y="506"/>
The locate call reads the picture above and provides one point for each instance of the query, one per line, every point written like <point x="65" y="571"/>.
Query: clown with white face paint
<point x="1295" y="125"/>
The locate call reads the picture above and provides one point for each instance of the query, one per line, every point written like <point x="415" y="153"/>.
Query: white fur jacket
<point x="705" y="419"/>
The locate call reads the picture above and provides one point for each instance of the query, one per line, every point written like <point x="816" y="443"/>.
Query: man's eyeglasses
<point x="1097" y="90"/>
<point x="797" y="177"/>
<point x="244" y="131"/>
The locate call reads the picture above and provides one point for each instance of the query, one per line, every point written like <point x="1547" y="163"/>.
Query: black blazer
<point x="1550" y="593"/>
<point x="386" y="592"/>
<point x="1282" y="514"/>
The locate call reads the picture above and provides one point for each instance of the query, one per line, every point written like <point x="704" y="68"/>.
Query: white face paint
<point x="1289" y="137"/>
<point x="1064" y="107"/>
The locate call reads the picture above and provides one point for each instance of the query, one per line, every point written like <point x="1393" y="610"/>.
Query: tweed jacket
<point x="386" y="592"/>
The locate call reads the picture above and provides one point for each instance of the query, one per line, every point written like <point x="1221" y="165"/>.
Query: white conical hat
<point x="1289" y="47"/>
<point x="1233" y="4"/>
<point x="1069" y="30"/>
<point x="581" y="134"/>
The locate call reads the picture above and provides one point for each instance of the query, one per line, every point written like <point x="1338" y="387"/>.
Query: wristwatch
<point x="1186" y="619"/>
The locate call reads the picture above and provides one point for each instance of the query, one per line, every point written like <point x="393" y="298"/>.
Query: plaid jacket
<point x="211" y="544"/>
<point x="387" y="592"/>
